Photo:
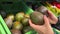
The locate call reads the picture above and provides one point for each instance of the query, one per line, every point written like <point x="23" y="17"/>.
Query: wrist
<point x="50" y="33"/>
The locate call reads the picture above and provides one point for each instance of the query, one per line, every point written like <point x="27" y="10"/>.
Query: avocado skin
<point x="37" y="18"/>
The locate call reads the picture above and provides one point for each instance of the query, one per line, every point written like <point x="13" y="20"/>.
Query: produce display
<point x="19" y="23"/>
<point x="16" y="23"/>
<point x="53" y="9"/>
<point x="56" y="4"/>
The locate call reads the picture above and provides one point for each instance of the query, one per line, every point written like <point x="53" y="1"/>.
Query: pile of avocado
<point x="18" y="23"/>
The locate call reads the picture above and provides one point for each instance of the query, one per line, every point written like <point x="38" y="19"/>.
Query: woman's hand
<point x="52" y="18"/>
<point x="42" y="29"/>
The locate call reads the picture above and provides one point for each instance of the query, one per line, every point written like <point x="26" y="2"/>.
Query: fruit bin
<point x="3" y="27"/>
<point x="13" y="8"/>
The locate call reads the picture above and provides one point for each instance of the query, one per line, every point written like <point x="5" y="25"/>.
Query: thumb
<point x="31" y="24"/>
<point x="46" y="21"/>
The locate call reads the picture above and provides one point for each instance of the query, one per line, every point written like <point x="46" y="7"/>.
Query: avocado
<point x="43" y="10"/>
<point x="37" y="18"/>
<point x="19" y="16"/>
<point x="17" y="25"/>
<point x="25" y="21"/>
<point x="8" y="22"/>
<point x="11" y="16"/>
<point x="15" y="31"/>
<point x="28" y="30"/>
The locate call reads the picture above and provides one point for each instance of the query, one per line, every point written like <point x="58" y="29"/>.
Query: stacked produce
<point x="18" y="23"/>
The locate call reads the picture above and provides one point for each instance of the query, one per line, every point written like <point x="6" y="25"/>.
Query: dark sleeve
<point x="57" y="26"/>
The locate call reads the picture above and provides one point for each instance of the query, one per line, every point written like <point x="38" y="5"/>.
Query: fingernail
<point x="44" y="15"/>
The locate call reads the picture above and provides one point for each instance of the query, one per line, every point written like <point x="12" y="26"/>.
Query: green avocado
<point x="19" y="16"/>
<point x="37" y="18"/>
<point x="15" y="31"/>
<point x="17" y="25"/>
<point x="25" y="21"/>
<point x="28" y="30"/>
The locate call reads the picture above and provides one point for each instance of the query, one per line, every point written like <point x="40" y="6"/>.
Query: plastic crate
<point x="3" y="27"/>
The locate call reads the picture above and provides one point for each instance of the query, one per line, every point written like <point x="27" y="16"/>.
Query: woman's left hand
<point x="52" y="18"/>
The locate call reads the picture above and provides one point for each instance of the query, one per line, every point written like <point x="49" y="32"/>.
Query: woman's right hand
<point x="42" y="29"/>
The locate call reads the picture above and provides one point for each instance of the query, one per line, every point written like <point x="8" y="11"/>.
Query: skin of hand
<point x="42" y="29"/>
<point x="52" y="18"/>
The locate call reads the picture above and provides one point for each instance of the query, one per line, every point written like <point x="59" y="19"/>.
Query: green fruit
<point x="25" y="21"/>
<point x="28" y="30"/>
<point x="37" y="18"/>
<point x="17" y="25"/>
<point x="43" y="9"/>
<point x="9" y="22"/>
<point x="11" y="17"/>
<point x="19" y="16"/>
<point x="15" y="31"/>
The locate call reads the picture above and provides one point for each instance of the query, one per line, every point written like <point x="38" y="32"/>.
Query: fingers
<point x="50" y="13"/>
<point x="31" y="24"/>
<point x="52" y="21"/>
<point x="46" y="20"/>
<point x="52" y="16"/>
